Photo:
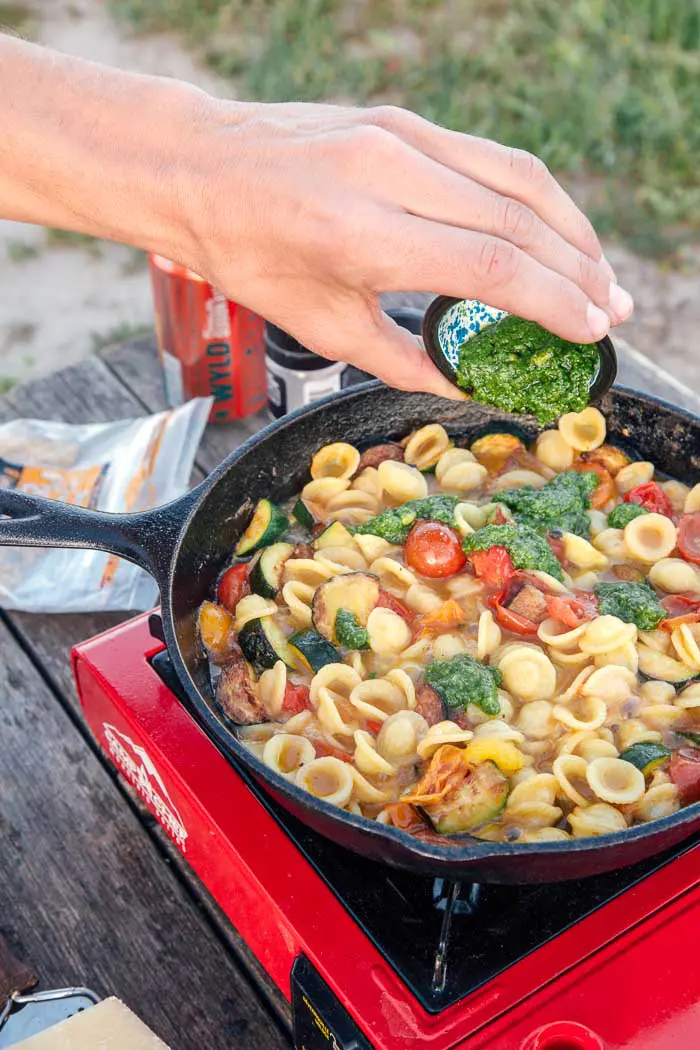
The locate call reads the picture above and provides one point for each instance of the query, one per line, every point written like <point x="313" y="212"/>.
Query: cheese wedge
<point x="107" y="1026"/>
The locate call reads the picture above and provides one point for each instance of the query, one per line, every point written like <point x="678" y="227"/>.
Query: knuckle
<point x="497" y="261"/>
<point x="515" y="219"/>
<point x="372" y="139"/>
<point x="528" y="168"/>
<point x="391" y="118"/>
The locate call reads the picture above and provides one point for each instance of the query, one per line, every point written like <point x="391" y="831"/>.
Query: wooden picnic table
<point x="91" y="890"/>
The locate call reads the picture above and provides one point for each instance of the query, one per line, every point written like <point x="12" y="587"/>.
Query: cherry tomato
<point x="296" y="698"/>
<point x="434" y="550"/>
<point x="374" y="726"/>
<point x="572" y="612"/>
<point x="512" y="621"/>
<point x="324" y="750"/>
<point x="388" y="601"/>
<point x="652" y="497"/>
<point x="233" y="586"/>
<point x="494" y="566"/>
<point x="680" y="604"/>
<point x="684" y="771"/>
<point x="606" y="486"/>
<point x="689" y="536"/>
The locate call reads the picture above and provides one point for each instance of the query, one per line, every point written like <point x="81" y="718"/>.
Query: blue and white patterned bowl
<point x="449" y="323"/>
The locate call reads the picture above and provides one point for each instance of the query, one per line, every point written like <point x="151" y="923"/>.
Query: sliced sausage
<point x="377" y="454"/>
<point x="530" y="603"/>
<point x="235" y="691"/>
<point x="429" y="704"/>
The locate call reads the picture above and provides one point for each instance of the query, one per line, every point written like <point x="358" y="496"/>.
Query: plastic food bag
<point x="132" y="465"/>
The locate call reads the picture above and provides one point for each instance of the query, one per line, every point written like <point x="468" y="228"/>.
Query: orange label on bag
<point x="80" y="486"/>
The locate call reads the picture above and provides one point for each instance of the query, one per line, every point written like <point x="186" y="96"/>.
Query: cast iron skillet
<point x="185" y="544"/>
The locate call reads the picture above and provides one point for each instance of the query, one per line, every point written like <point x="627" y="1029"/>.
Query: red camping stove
<point x="371" y="957"/>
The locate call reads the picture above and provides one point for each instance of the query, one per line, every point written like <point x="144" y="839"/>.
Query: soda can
<point x="208" y="345"/>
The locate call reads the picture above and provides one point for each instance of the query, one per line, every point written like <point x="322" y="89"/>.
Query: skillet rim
<point x="464" y="848"/>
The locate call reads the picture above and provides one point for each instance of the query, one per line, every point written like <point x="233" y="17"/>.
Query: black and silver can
<point x="296" y="376"/>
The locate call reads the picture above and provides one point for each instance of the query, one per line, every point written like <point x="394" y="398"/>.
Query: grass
<point x="118" y="334"/>
<point x="21" y="251"/>
<point x="56" y="238"/>
<point x="15" y="16"/>
<point x="607" y="93"/>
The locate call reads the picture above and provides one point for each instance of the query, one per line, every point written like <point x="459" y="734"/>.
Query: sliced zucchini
<point x="313" y="651"/>
<point x="268" y="523"/>
<point x="658" y="666"/>
<point x="646" y="755"/>
<point x="263" y="644"/>
<point x="355" y="592"/>
<point x="350" y="634"/>
<point x="478" y="799"/>
<point x="336" y="535"/>
<point x="266" y="574"/>
<point x="303" y="515"/>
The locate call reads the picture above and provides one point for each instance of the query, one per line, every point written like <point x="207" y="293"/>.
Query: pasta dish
<point x="472" y="636"/>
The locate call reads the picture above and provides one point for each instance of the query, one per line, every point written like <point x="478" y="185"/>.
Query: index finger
<point x="511" y="172"/>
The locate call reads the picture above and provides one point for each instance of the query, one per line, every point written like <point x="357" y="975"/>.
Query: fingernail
<point x="621" y="302"/>
<point x="607" y="269"/>
<point x="598" y="321"/>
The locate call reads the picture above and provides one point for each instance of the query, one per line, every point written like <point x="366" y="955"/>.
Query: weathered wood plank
<point x="90" y="393"/>
<point x="84" y="897"/>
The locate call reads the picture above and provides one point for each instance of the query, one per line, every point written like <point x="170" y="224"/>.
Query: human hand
<point x="305" y="213"/>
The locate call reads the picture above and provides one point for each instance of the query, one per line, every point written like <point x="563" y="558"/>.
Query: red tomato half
<point x="689" y="536"/>
<point x="233" y="586"/>
<point x="512" y="621"/>
<point x="652" y="497"/>
<point x="434" y="550"/>
<point x="296" y="698"/>
<point x="684" y="771"/>
<point x="572" y="612"/>
<point x="493" y="566"/>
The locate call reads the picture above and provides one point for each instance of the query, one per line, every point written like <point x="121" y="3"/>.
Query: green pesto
<point x="624" y="514"/>
<point x="528" y="550"/>
<point x="631" y="602"/>
<point x="462" y="680"/>
<point x="560" y="504"/>
<point x="394" y="525"/>
<point x="349" y="631"/>
<point x="519" y="367"/>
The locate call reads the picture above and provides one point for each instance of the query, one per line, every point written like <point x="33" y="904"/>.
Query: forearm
<point x="95" y="150"/>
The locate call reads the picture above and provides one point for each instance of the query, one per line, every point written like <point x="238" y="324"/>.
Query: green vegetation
<point x="119" y="334"/>
<point x="56" y="238"/>
<point x="606" y="93"/>
<point x="15" y="16"/>
<point x="20" y="251"/>
<point x="527" y="549"/>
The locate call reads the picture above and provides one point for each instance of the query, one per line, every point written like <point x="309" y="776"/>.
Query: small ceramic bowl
<point x="448" y="323"/>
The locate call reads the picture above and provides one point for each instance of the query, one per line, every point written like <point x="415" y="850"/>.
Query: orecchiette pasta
<point x="521" y="669"/>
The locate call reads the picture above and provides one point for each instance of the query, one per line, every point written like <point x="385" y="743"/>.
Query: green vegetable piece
<point x="394" y="525"/>
<point x="349" y="632"/>
<point x="313" y="651"/>
<point x="528" y="550"/>
<point x="478" y="799"/>
<point x="624" y="514"/>
<point x="518" y="366"/>
<point x="268" y="523"/>
<point x="303" y="515"/>
<point x="646" y="756"/>
<point x="462" y="680"/>
<point x="630" y="602"/>
<point x="694" y="738"/>
<point x="560" y="504"/>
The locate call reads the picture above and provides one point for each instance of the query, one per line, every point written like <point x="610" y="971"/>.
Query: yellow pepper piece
<point x="502" y="753"/>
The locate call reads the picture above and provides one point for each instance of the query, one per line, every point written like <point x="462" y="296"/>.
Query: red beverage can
<point x="208" y="345"/>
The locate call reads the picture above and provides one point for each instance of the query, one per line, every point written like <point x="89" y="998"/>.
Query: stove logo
<point x="138" y="768"/>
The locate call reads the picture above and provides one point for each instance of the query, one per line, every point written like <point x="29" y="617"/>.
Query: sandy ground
<point x="57" y="303"/>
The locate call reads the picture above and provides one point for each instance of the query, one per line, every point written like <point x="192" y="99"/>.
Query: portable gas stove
<point x="372" y="957"/>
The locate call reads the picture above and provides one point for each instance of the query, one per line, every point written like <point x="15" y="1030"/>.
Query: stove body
<point x="376" y="959"/>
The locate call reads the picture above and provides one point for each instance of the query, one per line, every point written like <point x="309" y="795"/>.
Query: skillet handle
<point x="146" y="538"/>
